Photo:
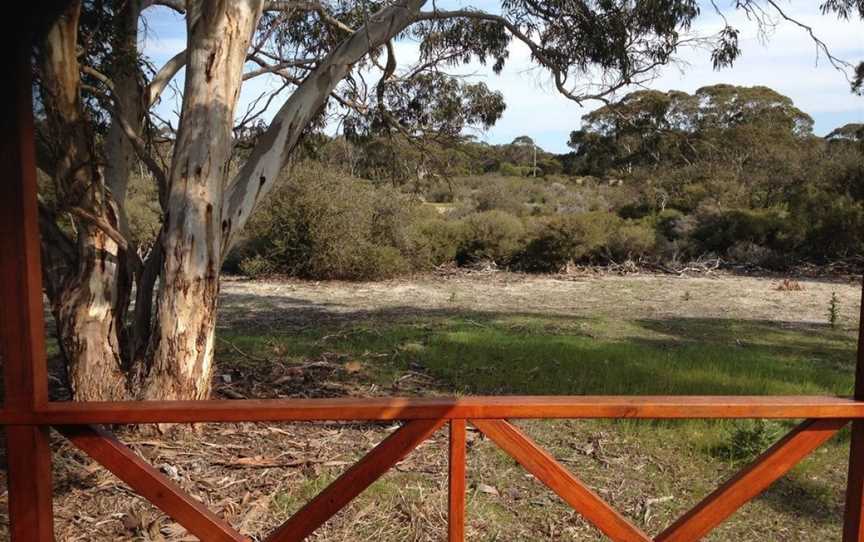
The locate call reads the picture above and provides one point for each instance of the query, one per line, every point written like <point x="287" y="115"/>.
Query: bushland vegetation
<point x="733" y="173"/>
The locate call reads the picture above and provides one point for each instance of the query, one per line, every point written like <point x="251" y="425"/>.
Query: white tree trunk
<point x="182" y="342"/>
<point x="203" y="212"/>
<point x="120" y="156"/>
<point x="89" y="322"/>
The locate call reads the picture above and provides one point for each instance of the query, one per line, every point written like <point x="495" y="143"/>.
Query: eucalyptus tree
<point x="723" y="123"/>
<point x="332" y="57"/>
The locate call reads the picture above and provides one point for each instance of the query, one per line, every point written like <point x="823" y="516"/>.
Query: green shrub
<point x="631" y="240"/>
<point x="509" y="170"/>
<point x="671" y="224"/>
<point x="434" y="241"/>
<point x="440" y="193"/>
<point x="835" y="225"/>
<point x="770" y="228"/>
<point x="490" y="235"/>
<point x="324" y="225"/>
<point x="508" y="195"/>
<point x="557" y="240"/>
<point x="255" y="267"/>
<point x="747" y="440"/>
<point x="745" y="252"/>
<point x="549" y="247"/>
<point x="379" y="262"/>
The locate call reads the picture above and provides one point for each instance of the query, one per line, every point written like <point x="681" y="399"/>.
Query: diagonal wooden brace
<point x="752" y="481"/>
<point x="150" y="483"/>
<point x="355" y="480"/>
<point x="546" y="469"/>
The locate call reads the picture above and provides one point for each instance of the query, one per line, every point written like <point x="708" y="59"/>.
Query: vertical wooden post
<point x="22" y="341"/>
<point x="853" y="524"/>
<point x="456" y="501"/>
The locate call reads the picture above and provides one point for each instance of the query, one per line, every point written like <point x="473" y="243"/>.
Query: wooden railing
<point x="825" y="416"/>
<point x="27" y="414"/>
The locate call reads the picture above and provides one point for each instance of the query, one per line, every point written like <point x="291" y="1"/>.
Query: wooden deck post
<point x="456" y="493"/>
<point x="853" y="524"/>
<point x="22" y="341"/>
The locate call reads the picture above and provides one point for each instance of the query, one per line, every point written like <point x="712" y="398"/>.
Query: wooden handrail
<point x="695" y="524"/>
<point x="444" y="408"/>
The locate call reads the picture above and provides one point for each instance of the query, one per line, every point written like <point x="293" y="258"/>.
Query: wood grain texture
<point x="31" y="515"/>
<point x="751" y="481"/>
<point x="853" y="519"/>
<point x="355" y="480"/>
<point x="456" y="494"/>
<point x="22" y="341"/>
<point x="404" y="408"/>
<point x="151" y="484"/>
<point x="546" y="469"/>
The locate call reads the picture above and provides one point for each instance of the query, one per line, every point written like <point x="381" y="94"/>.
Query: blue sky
<point x="787" y="61"/>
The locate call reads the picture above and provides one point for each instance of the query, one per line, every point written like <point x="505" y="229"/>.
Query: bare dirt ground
<point x="256" y="475"/>
<point x="590" y="295"/>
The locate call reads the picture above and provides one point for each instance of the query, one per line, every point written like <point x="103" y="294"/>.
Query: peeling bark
<point x="183" y="339"/>
<point x="89" y="304"/>
<point x="88" y="321"/>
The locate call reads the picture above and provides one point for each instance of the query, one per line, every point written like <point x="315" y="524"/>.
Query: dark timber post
<point x="853" y="524"/>
<point x="22" y="341"/>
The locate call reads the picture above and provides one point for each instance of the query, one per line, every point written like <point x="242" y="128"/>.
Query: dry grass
<point x="615" y="297"/>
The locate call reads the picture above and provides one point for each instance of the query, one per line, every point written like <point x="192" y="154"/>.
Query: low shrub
<point x="557" y="240"/>
<point x="549" y="247"/>
<point x="490" y="235"/>
<point x="631" y="239"/>
<point x="748" y="439"/>
<point x="834" y="226"/>
<point x="747" y="253"/>
<point x="506" y="195"/>
<point x="434" y="241"/>
<point x="255" y="266"/>
<point x="324" y="225"/>
<point x="509" y="170"/>
<point x="674" y="225"/>
<point x="769" y="228"/>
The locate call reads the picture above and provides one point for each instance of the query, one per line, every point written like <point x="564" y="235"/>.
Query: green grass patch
<point x="558" y="356"/>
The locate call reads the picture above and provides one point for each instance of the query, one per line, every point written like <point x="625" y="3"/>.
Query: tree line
<point x="660" y="177"/>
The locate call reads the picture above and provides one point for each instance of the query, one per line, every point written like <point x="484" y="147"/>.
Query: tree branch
<point x="177" y="5"/>
<point x="308" y="5"/>
<point x="140" y="147"/>
<point x="111" y="232"/>
<point x="560" y="76"/>
<point x="164" y="76"/>
<point x="258" y="175"/>
<point x="838" y="64"/>
<point x="276" y="68"/>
